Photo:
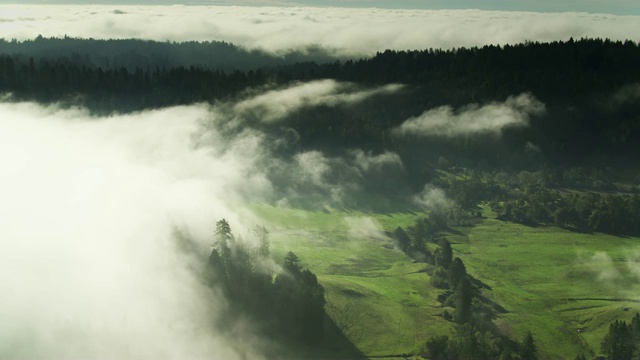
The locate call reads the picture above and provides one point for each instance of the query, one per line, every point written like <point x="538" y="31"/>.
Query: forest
<point x="587" y="86"/>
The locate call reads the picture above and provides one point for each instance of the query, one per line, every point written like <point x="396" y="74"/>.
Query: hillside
<point x="549" y="280"/>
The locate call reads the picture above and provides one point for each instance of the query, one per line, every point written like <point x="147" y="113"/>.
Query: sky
<point x="619" y="7"/>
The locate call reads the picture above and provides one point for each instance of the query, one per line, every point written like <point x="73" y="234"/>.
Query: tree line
<point x="551" y="197"/>
<point x="476" y="335"/>
<point x="587" y="86"/>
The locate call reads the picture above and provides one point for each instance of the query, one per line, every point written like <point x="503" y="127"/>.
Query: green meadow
<point x="565" y="287"/>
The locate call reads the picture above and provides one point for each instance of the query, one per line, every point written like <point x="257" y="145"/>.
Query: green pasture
<point x="565" y="287"/>
<point x="384" y="297"/>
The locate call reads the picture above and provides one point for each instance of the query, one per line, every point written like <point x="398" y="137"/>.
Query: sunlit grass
<point x="545" y="277"/>
<point x="538" y="274"/>
<point x="388" y="295"/>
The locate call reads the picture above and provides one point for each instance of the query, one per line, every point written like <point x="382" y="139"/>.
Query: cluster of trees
<point x="448" y="272"/>
<point x="414" y="241"/>
<point x="622" y="341"/>
<point x="469" y="344"/>
<point x="549" y="197"/>
<point x="415" y="246"/>
<point x="607" y="213"/>
<point x="477" y="337"/>
<point x="287" y="306"/>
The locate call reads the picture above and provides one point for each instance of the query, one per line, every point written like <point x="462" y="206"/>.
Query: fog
<point x="349" y="32"/>
<point x="617" y="276"/>
<point x="365" y="227"/>
<point x="473" y="119"/>
<point x="89" y="267"/>
<point x="276" y="104"/>
<point x="433" y="198"/>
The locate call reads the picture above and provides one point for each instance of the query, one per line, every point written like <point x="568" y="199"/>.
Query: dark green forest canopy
<point x="589" y="89"/>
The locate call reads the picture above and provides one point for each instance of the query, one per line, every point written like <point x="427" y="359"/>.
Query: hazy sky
<point x="620" y="7"/>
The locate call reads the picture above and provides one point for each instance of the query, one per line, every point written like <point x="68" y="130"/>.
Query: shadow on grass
<point x="453" y="231"/>
<point x="334" y="345"/>
<point x="478" y="283"/>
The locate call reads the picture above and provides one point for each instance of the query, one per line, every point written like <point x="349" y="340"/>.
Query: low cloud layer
<point x="276" y="104"/>
<point x="473" y="119"/>
<point x="89" y="268"/>
<point x="351" y="32"/>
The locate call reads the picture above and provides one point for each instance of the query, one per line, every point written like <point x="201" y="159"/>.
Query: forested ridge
<point x="587" y="86"/>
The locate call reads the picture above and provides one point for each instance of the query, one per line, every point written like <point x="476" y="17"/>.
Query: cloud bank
<point x="473" y="119"/>
<point x="89" y="267"/>
<point x="352" y="32"/>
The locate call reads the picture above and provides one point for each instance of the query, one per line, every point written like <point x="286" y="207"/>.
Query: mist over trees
<point x="287" y="306"/>
<point x="587" y="88"/>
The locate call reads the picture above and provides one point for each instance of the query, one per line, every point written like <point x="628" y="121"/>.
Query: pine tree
<point x="528" y="348"/>
<point x="262" y="235"/>
<point x="457" y="271"/>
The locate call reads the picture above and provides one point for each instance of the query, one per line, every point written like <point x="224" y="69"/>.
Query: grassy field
<point x="556" y="283"/>
<point x="565" y="287"/>
<point x="384" y="297"/>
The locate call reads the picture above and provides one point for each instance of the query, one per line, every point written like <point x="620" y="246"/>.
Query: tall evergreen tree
<point x="528" y="348"/>
<point x="457" y="271"/>
<point x="464" y="299"/>
<point x="445" y="255"/>
<point x="262" y="235"/>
